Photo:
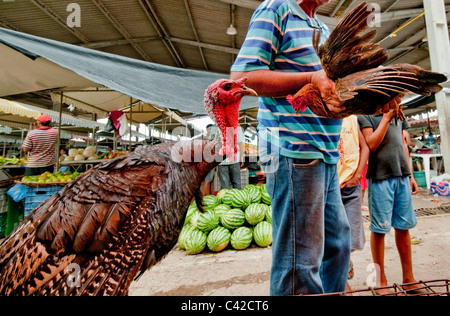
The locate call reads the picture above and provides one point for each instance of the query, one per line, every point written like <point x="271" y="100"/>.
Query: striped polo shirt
<point x="280" y="38"/>
<point x="42" y="143"/>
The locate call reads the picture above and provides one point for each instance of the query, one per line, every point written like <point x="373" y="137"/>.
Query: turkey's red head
<point x="222" y="101"/>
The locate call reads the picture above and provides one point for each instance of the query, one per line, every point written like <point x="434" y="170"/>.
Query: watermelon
<point x="190" y="212"/>
<point x="210" y="202"/>
<point x="254" y="192"/>
<point x="265" y="197"/>
<point x="241" y="238"/>
<point x="262" y="233"/>
<point x="233" y="219"/>
<point x="268" y="210"/>
<point x="228" y="197"/>
<point x="184" y="232"/>
<point x="195" y="241"/>
<point x="241" y="199"/>
<point x="255" y="213"/>
<point x="221" y="209"/>
<point x="207" y="221"/>
<point x="218" y="239"/>
<point x="221" y="194"/>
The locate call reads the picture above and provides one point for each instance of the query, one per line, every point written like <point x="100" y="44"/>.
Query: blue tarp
<point x="168" y="87"/>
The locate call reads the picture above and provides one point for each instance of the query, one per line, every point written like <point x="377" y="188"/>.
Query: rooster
<point x="119" y="218"/>
<point x="353" y="61"/>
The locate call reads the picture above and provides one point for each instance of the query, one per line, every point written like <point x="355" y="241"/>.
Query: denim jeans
<point x="230" y="176"/>
<point x="311" y="234"/>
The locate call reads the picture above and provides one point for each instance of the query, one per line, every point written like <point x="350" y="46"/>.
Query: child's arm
<point x="375" y="138"/>
<point x="363" y="158"/>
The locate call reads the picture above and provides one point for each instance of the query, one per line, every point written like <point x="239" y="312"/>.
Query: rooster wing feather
<point x="354" y="62"/>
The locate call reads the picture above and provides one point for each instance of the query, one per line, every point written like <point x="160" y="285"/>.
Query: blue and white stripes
<point x="280" y="38"/>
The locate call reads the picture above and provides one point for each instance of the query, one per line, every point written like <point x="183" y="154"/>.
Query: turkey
<point x="119" y="218"/>
<point x="353" y="61"/>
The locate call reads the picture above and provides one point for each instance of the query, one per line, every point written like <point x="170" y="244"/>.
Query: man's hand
<point x="327" y="88"/>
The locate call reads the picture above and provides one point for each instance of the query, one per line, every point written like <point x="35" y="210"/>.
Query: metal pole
<point x="58" y="163"/>
<point x="131" y="121"/>
<point x="439" y="46"/>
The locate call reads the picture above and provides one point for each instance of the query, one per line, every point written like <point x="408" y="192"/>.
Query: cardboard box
<point x="440" y="188"/>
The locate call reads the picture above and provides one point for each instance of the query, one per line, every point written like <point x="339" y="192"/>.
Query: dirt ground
<point x="246" y="273"/>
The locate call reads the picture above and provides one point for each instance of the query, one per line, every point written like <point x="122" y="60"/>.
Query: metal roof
<point x="192" y="33"/>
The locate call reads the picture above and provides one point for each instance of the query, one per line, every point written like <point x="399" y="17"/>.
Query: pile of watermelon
<point x="233" y="218"/>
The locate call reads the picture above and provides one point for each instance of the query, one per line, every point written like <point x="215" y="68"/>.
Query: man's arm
<point x="271" y="83"/>
<point x="412" y="180"/>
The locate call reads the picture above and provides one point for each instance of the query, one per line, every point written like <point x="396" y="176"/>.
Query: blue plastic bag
<point x="18" y="192"/>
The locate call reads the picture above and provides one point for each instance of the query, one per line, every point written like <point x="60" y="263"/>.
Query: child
<point x="391" y="186"/>
<point x="354" y="154"/>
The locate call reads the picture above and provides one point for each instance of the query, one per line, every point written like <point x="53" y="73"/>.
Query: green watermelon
<point x="210" y="202"/>
<point x="195" y="241"/>
<point x="254" y="192"/>
<point x="190" y="212"/>
<point x="268" y="210"/>
<point x="221" y="209"/>
<point x="228" y="197"/>
<point x="218" y="239"/>
<point x="241" y="238"/>
<point x="255" y="213"/>
<point x="265" y="197"/>
<point x="241" y="199"/>
<point x="262" y="233"/>
<point x="207" y="221"/>
<point x="184" y="232"/>
<point x="233" y="219"/>
<point x="221" y="194"/>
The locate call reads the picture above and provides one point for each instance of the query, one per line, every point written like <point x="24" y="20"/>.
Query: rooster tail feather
<point x="433" y="78"/>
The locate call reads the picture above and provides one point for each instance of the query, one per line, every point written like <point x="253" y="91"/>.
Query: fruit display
<point x="48" y="177"/>
<point x="232" y="219"/>
<point x="90" y="153"/>
<point x="112" y="155"/>
<point x="13" y="161"/>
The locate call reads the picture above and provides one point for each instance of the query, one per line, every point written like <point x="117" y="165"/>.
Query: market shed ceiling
<point x="192" y="34"/>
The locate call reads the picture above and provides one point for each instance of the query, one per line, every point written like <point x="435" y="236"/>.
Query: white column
<point x="439" y="46"/>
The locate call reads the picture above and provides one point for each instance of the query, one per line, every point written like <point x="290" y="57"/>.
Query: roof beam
<point x="160" y="29"/>
<point x="194" y="29"/>
<point x="102" y="8"/>
<point x="103" y="44"/>
<point x="249" y="4"/>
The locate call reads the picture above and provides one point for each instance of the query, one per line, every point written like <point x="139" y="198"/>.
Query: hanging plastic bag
<point x="18" y="192"/>
<point x="124" y="129"/>
<point x="109" y="127"/>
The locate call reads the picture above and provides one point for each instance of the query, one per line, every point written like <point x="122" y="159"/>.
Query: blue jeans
<point x="230" y="175"/>
<point x="311" y="234"/>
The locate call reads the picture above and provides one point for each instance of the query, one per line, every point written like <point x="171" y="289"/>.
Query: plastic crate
<point x="37" y="196"/>
<point x="15" y="215"/>
<point x="420" y="178"/>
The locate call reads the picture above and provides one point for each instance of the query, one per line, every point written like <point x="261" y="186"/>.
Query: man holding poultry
<point x="299" y="153"/>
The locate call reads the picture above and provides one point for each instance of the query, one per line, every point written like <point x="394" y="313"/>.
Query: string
<point x="394" y="34"/>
